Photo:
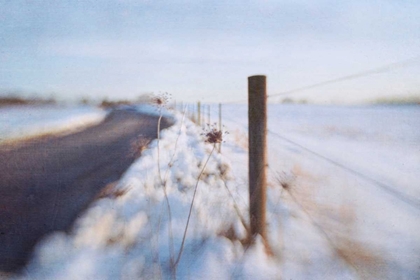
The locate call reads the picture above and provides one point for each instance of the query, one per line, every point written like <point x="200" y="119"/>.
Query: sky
<point x="205" y="50"/>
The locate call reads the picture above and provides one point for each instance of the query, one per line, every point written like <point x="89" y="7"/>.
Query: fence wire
<point x="373" y="71"/>
<point x="392" y="190"/>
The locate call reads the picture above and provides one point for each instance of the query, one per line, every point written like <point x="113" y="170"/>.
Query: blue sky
<point x="205" y="50"/>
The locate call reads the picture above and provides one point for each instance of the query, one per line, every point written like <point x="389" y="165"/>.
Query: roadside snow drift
<point x="132" y="233"/>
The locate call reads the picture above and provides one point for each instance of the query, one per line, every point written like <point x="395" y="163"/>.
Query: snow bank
<point x="28" y="121"/>
<point x="132" y="233"/>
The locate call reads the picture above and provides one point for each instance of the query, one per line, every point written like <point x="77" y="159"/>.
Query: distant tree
<point x="7" y="101"/>
<point x="287" y="100"/>
<point x="84" y="101"/>
<point x="111" y="104"/>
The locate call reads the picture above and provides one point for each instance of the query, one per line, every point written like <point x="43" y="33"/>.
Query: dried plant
<point x="191" y="206"/>
<point x="137" y="146"/>
<point x="160" y="100"/>
<point x="213" y="135"/>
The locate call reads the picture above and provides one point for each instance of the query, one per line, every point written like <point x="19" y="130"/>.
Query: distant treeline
<point x="144" y="98"/>
<point x="17" y="99"/>
<point x="110" y="104"/>
<point x="407" y="100"/>
<point x="9" y="101"/>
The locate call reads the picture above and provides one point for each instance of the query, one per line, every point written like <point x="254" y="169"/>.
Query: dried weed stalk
<point x="212" y="136"/>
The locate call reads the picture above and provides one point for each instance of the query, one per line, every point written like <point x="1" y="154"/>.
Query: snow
<point x="329" y="212"/>
<point x="353" y="174"/>
<point x="153" y="110"/>
<point x="22" y="122"/>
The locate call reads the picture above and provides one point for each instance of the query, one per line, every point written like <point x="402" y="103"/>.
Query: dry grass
<point x="138" y="146"/>
<point x="337" y="222"/>
<point x="231" y="234"/>
<point x="111" y="191"/>
<point x="366" y="263"/>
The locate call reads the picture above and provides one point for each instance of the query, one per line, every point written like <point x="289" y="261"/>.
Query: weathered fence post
<point x="199" y="113"/>
<point x="220" y="125"/>
<point x="203" y="115"/>
<point x="257" y="120"/>
<point x="208" y="114"/>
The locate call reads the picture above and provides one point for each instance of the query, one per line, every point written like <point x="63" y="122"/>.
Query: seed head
<point x="213" y="135"/>
<point x="160" y="100"/>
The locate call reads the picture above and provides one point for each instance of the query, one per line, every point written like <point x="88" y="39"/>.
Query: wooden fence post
<point x="257" y="131"/>
<point x="199" y="113"/>
<point x="220" y="125"/>
<point x="203" y="115"/>
<point x="208" y="114"/>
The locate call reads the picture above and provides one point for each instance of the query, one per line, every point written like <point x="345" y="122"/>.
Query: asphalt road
<point x="46" y="183"/>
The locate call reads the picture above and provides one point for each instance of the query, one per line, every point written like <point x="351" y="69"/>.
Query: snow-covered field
<point x="343" y="203"/>
<point x="353" y="175"/>
<point x="21" y="122"/>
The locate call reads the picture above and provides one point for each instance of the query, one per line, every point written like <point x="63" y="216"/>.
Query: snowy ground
<point x="353" y="176"/>
<point x="343" y="203"/>
<point x="22" y="122"/>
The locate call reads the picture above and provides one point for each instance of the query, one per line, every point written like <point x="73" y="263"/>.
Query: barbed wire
<point x="378" y="70"/>
<point x="382" y="69"/>
<point x="392" y="190"/>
